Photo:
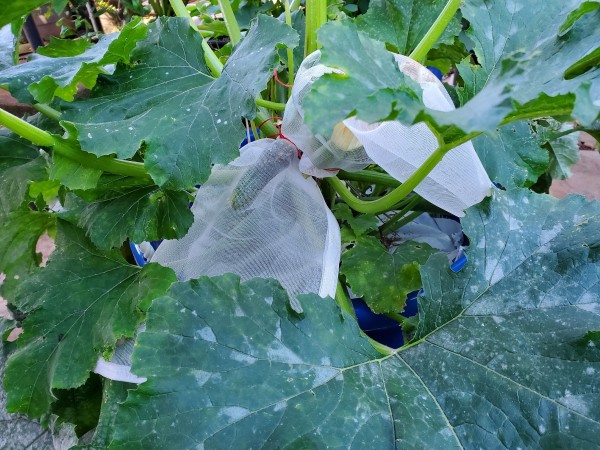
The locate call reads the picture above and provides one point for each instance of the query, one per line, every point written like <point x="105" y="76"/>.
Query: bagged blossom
<point x="456" y="183"/>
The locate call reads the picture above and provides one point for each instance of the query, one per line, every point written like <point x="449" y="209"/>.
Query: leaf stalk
<point x="42" y="138"/>
<point x="387" y="202"/>
<point x="233" y="29"/>
<point x="435" y="31"/>
<point x="212" y="61"/>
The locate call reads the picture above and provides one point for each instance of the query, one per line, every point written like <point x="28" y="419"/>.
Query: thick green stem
<point x="369" y="176"/>
<point x="270" y="105"/>
<point x="156" y="7"/>
<point x="213" y="62"/>
<point x="104" y="163"/>
<point x="343" y="301"/>
<point x="233" y="28"/>
<point x="388" y="202"/>
<point x="267" y="128"/>
<point x="316" y="15"/>
<point x="48" y="111"/>
<point x="290" y="52"/>
<point x="435" y="31"/>
<point x="392" y="224"/>
<point x="407" y="219"/>
<point x="68" y="150"/>
<point x="26" y="130"/>
<point x="395" y="316"/>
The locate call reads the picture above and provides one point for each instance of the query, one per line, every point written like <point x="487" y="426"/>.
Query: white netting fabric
<point x="260" y="217"/>
<point x="256" y="217"/>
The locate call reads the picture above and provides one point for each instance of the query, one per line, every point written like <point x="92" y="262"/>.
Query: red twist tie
<point x="280" y="135"/>
<point x="279" y="81"/>
<point x="298" y="152"/>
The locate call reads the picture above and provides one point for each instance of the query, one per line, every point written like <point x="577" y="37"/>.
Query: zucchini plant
<point x="503" y="353"/>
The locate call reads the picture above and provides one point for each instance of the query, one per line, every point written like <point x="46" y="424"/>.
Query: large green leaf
<point x="18" y="431"/>
<point x="384" y="279"/>
<point x="20" y="164"/>
<point x="187" y="119"/>
<point x="43" y="78"/>
<point x="371" y="90"/>
<point x="403" y="23"/>
<point x="512" y="156"/>
<point x="114" y="393"/>
<point x="78" y="306"/>
<point x="498" y="362"/>
<point x="120" y="208"/>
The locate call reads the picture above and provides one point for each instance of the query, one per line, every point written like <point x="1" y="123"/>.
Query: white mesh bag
<point x="260" y="217"/>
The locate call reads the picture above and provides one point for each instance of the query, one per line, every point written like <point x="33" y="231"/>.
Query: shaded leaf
<point x="403" y="23"/>
<point x="114" y="393"/>
<point x="168" y="99"/>
<point x="79" y="406"/>
<point x="361" y="224"/>
<point x="80" y="304"/>
<point x="495" y="365"/>
<point x="120" y="207"/>
<point x="43" y="78"/>
<point x="446" y="56"/>
<point x="17" y="9"/>
<point x="563" y="149"/>
<point x="512" y="156"/>
<point x="18" y="431"/>
<point x="384" y="279"/>
<point x="20" y="165"/>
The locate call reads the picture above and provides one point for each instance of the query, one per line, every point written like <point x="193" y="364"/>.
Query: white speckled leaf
<point x="43" y="78"/>
<point x="498" y="363"/>
<point x="512" y="156"/>
<point x="505" y="31"/>
<point x="187" y="119"/>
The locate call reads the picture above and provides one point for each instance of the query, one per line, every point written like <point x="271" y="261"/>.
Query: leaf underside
<point x="119" y="208"/>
